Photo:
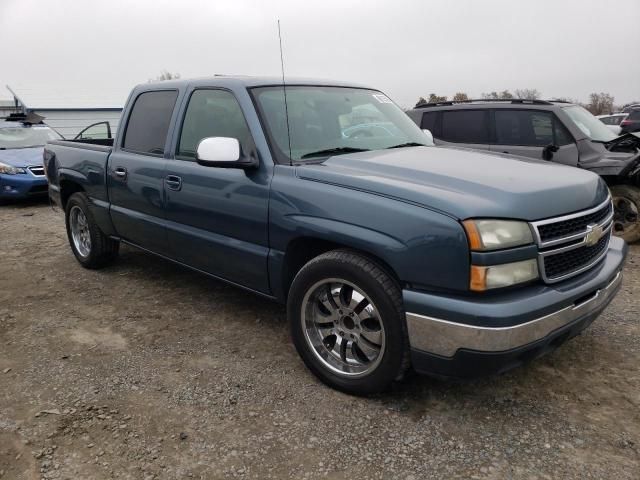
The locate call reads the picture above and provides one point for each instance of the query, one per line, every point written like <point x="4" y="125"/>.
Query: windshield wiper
<point x="334" y="151"/>
<point x="408" y="144"/>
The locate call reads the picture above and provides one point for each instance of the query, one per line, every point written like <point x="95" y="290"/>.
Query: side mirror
<point x="221" y="152"/>
<point x="429" y="136"/>
<point x="548" y="151"/>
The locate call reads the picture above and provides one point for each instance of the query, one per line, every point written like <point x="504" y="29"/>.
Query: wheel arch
<point x="302" y="249"/>
<point x="67" y="188"/>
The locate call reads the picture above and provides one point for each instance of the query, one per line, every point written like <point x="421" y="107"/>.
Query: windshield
<point x="326" y="121"/>
<point x="23" y="137"/>
<point x="590" y="125"/>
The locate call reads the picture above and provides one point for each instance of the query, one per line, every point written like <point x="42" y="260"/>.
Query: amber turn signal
<point x="478" y="281"/>
<point x="475" y="241"/>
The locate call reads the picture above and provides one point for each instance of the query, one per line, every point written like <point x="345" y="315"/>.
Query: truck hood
<point x="464" y="183"/>
<point x="22" y="157"/>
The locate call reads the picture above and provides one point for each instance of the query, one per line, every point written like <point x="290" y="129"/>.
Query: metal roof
<point x="247" y="81"/>
<point x="70" y="97"/>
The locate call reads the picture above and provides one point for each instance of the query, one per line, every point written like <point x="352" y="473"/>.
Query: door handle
<point x="121" y="173"/>
<point x="173" y="182"/>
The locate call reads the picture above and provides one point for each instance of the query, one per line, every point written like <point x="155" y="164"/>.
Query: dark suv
<point x="549" y="130"/>
<point x="632" y="122"/>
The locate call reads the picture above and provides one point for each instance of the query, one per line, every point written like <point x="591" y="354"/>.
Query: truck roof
<point x="245" y="81"/>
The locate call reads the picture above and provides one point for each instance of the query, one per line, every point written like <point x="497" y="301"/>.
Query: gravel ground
<point x="146" y="370"/>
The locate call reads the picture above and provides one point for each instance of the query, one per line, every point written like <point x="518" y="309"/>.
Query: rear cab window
<point x="149" y="122"/>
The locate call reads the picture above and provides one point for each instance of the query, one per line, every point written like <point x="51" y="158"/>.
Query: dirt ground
<point x="146" y="370"/>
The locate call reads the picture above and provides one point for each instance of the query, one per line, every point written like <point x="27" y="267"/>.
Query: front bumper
<point x="22" y="186"/>
<point x="472" y="336"/>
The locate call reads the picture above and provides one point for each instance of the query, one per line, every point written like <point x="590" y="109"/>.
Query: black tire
<point x="626" y="201"/>
<point x="382" y="290"/>
<point x="103" y="250"/>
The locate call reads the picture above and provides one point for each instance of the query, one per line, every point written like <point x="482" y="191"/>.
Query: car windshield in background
<point x="326" y="121"/>
<point x="590" y="125"/>
<point x="24" y="137"/>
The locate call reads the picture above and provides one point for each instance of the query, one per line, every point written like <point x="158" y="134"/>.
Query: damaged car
<point x="554" y="131"/>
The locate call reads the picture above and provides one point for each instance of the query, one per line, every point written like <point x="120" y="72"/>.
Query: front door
<point x="217" y="218"/>
<point x="528" y="132"/>
<point x="136" y="172"/>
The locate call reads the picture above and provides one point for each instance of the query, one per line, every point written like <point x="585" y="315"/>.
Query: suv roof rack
<point x="489" y="100"/>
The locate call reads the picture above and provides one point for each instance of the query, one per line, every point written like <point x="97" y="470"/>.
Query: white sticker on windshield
<point x="381" y="98"/>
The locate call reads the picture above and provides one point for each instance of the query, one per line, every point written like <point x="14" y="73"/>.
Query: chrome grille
<point x="573" y="244"/>
<point x="572" y="226"/>
<point x="568" y="262"/>
<point x="37" y="171"/>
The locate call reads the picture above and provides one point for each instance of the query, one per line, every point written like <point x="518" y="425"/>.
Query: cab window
<point x="149" y="122"/>
<point x="211" y="113"/>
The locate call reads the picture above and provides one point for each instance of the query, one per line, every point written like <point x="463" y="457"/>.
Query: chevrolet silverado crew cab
<point x="554" y="131"/>
<point x="388" y="254"/>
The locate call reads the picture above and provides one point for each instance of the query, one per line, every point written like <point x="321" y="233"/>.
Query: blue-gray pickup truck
<point x="389" y="253"/>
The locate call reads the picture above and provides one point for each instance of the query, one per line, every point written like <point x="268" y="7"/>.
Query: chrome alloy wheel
<point x="80" y="231"/>
<point x="343" y="327"/>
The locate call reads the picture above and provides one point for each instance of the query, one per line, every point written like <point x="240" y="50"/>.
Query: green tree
<point x="433" y="98"/>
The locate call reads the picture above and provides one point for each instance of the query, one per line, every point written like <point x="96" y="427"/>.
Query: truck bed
<point x="83" y="162"/>
<point x="102" y="144"/>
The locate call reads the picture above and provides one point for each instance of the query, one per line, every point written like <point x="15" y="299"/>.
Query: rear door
<point x="528" y="132"/>
<point x="461" y="128"/>
<point x="217" y="218"/>
<point x="136" y="172"/>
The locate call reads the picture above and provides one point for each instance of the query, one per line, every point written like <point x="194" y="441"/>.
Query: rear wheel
<point x="626" y="220"/>
<point x="91" y="247"/>
<point x="347" y="322"/>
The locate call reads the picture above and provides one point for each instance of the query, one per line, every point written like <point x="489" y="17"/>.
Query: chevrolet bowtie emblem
<point x="594" y="233"/>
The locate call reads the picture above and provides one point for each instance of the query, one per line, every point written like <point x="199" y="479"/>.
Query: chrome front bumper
<point x="445" y="338"/>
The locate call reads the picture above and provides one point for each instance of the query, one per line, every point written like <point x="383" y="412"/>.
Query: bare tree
<point x="528" y="94"/>
<point x="460" y="97"/>
<point x="503" y="95"/>
<point x="600" y="103"/>
<point x="165" y="75"/>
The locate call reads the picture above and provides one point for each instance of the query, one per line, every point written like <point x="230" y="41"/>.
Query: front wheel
<point x="626" y="220"/>
<point x="347" y="322"/>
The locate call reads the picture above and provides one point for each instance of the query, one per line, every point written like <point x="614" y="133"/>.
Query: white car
<point x="613" y="121"/>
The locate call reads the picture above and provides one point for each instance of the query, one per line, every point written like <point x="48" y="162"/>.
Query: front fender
<point x="426" y="249"/>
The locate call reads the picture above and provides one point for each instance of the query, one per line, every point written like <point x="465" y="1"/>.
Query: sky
<point x="406" y="48"/>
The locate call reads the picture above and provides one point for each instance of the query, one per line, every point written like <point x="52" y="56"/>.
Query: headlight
<point x="486" y="235"/>
<point x="9" y="170"/>
<point x="498" y="276"/>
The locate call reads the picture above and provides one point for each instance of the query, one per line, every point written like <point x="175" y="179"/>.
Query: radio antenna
<point x="284" y="89"/>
